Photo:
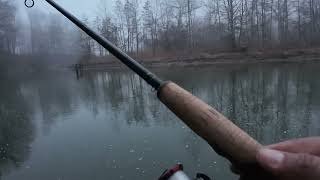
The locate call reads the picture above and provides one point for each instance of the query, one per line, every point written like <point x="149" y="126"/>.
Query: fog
<point x="160" y="28"/>
<point x="88" y="8"/>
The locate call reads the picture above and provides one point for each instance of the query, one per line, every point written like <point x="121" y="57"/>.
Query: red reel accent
<point x="170" y="172"/>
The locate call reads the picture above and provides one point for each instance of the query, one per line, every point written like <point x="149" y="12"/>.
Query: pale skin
<point x="297" y="159"/>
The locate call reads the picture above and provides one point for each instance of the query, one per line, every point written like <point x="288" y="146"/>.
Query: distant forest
<point x="164" y="27"/>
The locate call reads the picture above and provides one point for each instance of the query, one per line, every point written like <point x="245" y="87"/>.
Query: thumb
<point x="283" y="164"/>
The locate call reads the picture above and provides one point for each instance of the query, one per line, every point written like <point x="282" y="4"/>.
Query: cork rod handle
<point x="224" y="136"/>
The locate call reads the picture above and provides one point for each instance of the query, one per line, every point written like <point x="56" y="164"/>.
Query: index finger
<point x="305" y="145"/>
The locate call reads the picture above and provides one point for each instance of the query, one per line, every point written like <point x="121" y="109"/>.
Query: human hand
<point x="291" y="160"/>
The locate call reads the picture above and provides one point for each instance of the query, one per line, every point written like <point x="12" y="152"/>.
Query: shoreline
<point x="293" y="56"/>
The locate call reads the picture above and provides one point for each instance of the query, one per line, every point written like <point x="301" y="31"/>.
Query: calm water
<point x="110" y="125"/>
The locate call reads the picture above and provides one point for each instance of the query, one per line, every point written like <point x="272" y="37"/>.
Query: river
<point x="110" y="125"/>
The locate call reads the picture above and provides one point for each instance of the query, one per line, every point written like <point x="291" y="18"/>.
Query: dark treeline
<point x="160" y="27"/>
<point x="183" y="25"/>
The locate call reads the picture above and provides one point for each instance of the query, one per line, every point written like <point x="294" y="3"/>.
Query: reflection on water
<point x="110" y="125"/>
<point x="16" y="127"/>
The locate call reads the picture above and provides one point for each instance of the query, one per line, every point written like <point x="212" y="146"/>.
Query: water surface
<point x="110" y="125"/>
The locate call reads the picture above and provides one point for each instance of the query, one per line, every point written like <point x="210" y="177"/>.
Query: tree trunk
<point x="189" y="25"/>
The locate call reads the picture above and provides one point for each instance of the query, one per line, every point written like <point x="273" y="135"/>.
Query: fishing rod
<point x="222" y="135"/>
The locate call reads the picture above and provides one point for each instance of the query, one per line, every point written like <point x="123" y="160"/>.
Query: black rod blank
<point x="144" y="73"/>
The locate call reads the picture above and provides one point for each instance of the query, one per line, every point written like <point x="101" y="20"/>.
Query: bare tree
<point x="120" y="24"/>
<point x="86" y="42"/>
<point x="55" y="38"/>
<point x="172" y="27"/>
<point x="7" y="27"/>
<point x="230" y="9"/>
<point x="150" y="26"/>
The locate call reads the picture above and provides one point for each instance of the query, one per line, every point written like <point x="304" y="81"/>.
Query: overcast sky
<point x="79" y="8"/>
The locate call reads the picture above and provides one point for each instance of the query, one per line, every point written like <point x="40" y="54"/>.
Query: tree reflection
<point x="55" y="93"/>
<point x="271" y="103"/>
<point x="16" y="126"/>
<point x="260" y="99"/>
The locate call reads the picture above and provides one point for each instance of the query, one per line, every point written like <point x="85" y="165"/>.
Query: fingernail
<point x="271" y="157"/>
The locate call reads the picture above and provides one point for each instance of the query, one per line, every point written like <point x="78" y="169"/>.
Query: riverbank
<point x="206" y="59"/>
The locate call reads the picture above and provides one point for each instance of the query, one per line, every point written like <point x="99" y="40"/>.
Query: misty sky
<point x="79" y="8"/>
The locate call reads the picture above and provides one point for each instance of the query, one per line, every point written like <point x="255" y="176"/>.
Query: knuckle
<point x="306" y="161"/>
